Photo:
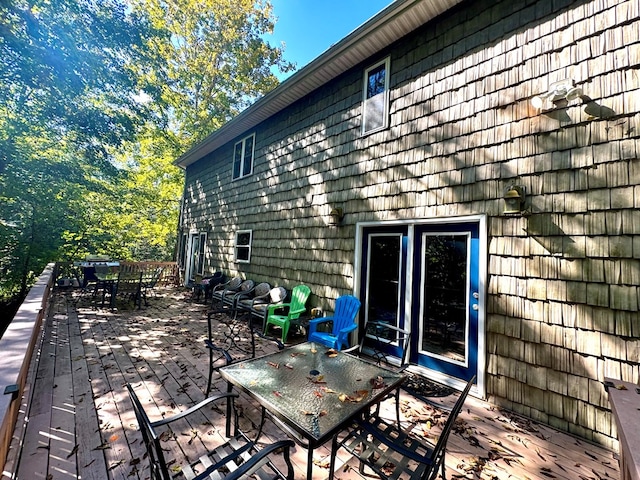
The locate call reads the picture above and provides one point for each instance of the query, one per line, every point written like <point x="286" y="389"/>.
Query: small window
<point x="243" y="246"/>
<point x="200" y="266"/>
<point x="182" y="250"/>
<point x="243" y="157"/>
<point x="375" y="103"/>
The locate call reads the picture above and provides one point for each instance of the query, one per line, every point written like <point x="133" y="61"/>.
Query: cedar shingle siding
<point x="563" y="280"/>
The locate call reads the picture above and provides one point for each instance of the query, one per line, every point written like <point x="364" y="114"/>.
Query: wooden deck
<point x="77" y="421"/>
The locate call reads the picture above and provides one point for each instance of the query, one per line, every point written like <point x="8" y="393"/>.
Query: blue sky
<point x="309" y="27"/>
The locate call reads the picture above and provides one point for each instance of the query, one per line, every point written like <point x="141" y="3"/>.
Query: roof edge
<point x="314" y="74"/>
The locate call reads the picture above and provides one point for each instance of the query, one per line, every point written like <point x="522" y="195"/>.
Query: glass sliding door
<point x="446" y="299"/>
<point x="384" y="279"/>
<point x="426" y="277"/>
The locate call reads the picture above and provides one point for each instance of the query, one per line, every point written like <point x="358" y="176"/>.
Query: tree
<point x="211" y="61"/>
<point x="97" y="98"/>
<point x="65" y="104"/>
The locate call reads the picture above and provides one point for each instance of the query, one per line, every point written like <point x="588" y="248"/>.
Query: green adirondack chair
<point x="296" y="307"/>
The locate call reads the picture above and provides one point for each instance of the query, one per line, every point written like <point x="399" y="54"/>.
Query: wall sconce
<point x="514" y="199"/>
<point x="563" y="90"/>
<point x="335" y="216"/>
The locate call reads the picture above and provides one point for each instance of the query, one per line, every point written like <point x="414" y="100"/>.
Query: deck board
<point x="81" y="422"/>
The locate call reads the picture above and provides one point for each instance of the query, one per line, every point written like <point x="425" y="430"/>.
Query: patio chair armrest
<point x="348" y="329"/>
<point x="195" y="408"/>
<point x="237" y="296"/>
<point x="296" y="313"/>
<point x="355" y="350"/>
<point x="223" y="351"/>
<point x="258" y="459"/>
<point x="220" y="286"/>
<point x="276" y="306"/>
<point x="313" y="324"/>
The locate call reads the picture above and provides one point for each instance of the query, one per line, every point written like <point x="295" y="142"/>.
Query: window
<point x="243" y="157"/>
<point x="200" y="264"/>
<point x="243" y="246"/>
<point x="182" y="250"/>
<point x="375" y="102"/>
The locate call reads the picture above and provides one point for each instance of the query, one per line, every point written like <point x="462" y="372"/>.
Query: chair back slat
<point x="347" y="307"/>
<point x="299" y="296"/>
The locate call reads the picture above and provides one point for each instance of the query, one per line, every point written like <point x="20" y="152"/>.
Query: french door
<point x="195" y="256"/>
<point x="426" y="277"/>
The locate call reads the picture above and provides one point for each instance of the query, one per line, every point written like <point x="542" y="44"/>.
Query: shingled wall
<point x="563" y="296"/>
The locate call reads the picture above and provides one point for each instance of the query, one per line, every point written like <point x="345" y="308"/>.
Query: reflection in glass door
<point x="426" y="277"/>
<point x="446" y="306"/>
<point x="444" y="317"/>
<point x="384" y="276"/>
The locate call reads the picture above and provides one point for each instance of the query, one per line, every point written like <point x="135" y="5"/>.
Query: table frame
<point x="300" y="435"/>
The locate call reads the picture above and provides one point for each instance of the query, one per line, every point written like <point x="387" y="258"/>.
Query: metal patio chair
<point x="388" y="346"/>
<point x="259" y="305"/>
<point x="223" y="290"/>
<point x="237" y="458"/>
<point x="393" y="453"/>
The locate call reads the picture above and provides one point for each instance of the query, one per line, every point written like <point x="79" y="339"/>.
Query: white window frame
<point x="182" y="250"/>
<point x="247" y="246"/>
<point x="201" y="253"/>
<point x="248" y="142"/>
<point x="367" y="102"/>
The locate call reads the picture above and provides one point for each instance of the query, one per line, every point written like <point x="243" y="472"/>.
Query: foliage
<point x="65" y="103"/>
<point x="97" y="99"/>
<point x="212" y="61"/>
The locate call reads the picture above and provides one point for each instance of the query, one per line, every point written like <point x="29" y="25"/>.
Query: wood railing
<point x="170" y="274"/>
<point x="17" y="346"/>
<point x="22" y="334"/>
<point x="624" y="398"/>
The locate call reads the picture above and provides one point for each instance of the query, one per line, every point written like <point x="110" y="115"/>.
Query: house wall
<point x="562" y="302"/>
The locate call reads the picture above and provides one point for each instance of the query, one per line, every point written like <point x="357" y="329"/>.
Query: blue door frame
<point x="439" y="288"/>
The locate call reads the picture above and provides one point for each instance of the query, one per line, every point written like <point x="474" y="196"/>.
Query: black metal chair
<point x="129" y="286"/>
<point x="222" y="290"/>
<point x="388" y="345"/>
<point x="258" y="306"/>
<point x="393" y="453"/>
<point x="237" y="343"/>
<point x="237" y="458"/>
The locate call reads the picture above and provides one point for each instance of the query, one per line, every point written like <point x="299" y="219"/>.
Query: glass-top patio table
<point x="314" y="390"/>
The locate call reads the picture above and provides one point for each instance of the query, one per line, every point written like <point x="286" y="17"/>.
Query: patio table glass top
<point x="313" y="389"/>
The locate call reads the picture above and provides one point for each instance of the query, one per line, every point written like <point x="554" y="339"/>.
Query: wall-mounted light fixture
<point x="514" y="199"/>
<point x="335" y="216"/>
<point x="563" y="90"/>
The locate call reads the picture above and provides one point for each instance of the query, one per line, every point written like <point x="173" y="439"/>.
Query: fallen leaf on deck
<point x="73" y="451"/>
<point x="358" y="397"/>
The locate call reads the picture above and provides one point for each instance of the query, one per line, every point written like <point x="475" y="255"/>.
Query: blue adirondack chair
<point x="344" y="322"/>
